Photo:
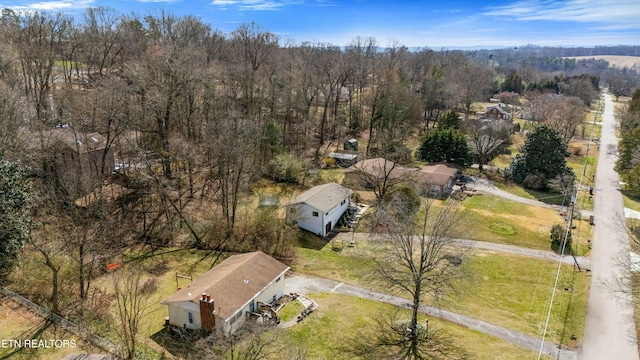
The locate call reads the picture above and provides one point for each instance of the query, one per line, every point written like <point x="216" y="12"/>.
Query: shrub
<point x="286" y="168"/>
<point x="557" y="236"/>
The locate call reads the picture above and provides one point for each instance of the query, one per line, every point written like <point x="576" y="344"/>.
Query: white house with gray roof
<point x="319" y="208"/>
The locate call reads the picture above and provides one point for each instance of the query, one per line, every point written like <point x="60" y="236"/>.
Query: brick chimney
<point x="207" y="319"/>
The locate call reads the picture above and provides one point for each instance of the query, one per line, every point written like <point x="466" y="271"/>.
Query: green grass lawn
<point x="630" y="201"/>
<point x="495" y="219"/>
<point x="516" y="287"/>
<point x="328" y="332"/>
<point x="553" y="198"/>
<point x="519" y="290"/>
<point x="291" y="310"/>
<point x="590" y="130"/>
<point x="164" y="264"/>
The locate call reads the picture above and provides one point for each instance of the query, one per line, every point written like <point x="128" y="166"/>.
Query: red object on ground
<point x="113" y="266"/>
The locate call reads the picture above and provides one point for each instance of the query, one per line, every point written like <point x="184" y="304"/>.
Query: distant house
<point x="365" y="173"/>
<point x="499" y="111"/>
<point x="73" y="160"/>
<point x="319" y="208"/>
<point x="437" y="179"/>
<point x="223" y="298"/>
<point x="432" y="180"/>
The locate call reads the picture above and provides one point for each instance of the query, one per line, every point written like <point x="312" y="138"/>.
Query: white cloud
<point x="55" y="5"/>
<point x="621" y="13"/>
<point x="254" y="4"/>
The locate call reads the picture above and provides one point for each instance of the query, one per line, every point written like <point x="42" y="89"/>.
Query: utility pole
<point x="573" y="204"/>
<point x="555" y="285"/>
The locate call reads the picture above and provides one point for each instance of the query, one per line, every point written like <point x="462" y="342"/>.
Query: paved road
<point x="584" y="262"/>
<point x="487" y="187"/>
<point x="303" y="284"/>
<point x="610" y="331"/>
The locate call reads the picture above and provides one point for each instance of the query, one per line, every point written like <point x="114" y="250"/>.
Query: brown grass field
<point x="614" y="60"/>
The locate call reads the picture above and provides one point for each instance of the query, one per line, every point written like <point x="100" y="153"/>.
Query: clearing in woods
<point x="619" y="61"/>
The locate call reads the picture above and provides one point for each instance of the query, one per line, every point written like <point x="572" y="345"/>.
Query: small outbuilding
<point x="224" y="297"/>
<point x="351" y="145"/>
<point x="319" y="208"/>
<point x="345" y="158"/>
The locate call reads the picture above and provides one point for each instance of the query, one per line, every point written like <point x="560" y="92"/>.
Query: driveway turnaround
<point x="610" y="330"/>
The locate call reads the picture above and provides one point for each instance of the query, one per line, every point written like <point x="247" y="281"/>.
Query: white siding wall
<point x="266" y="296"/>
<point x="334" y="215"/>
<point x="276" y="288"/>
<point x="316" y="224"/>
<point x="179" y="314"/>
<point x="306" y="220"/>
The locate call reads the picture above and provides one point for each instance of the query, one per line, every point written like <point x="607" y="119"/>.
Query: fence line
<point x="67" y="325"/>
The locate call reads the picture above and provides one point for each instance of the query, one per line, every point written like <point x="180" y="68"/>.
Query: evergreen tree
<point x="513" y="83"/>
<point x="450" y="120"/>
<point x="444" y="145"/>
<point x="628" y="163"/>
<point x="542" y="158"/>
<point x="15" y="215"/>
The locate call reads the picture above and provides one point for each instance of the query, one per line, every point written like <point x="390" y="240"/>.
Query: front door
<point x="327" y="228"/>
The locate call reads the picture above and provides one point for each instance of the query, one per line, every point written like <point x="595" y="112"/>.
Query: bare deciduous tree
<point x="486" y="137"/>
<point x="385" y="335"/>
<point x="252" y="342"/>
<point x="232" y="152"/>
<point x="381" y="175"/>
<point x="419" y="259"/>
<point x="473" y="83"/>
<point x="132" y="304"/>
<point x="37" y="38"/>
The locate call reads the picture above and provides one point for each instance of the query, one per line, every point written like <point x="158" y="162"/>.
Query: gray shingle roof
<point x="323" y="197"/>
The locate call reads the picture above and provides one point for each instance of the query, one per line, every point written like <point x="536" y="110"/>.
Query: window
<point x="252" y="307"/>
<point x="315" y="213"/>
<point x="190" y="318"/>
<point x="343" y="201"/>
<point x="278" y="279"/>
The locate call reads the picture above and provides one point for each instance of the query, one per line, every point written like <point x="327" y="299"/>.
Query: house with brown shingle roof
<point x="225" y="296"/>
<point x="319" y="208"/>
<point x="437" y="179"/>
<point x="366" y="173"/>
<point x="432" y="180"/>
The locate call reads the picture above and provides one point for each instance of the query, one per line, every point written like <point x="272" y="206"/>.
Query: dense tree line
<point x="194" y="117"/>
<point x="191" y="112"/>
<point x="628" y="163"/>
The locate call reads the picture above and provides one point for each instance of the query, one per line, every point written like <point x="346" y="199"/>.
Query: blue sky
<point x="413" y="23"/>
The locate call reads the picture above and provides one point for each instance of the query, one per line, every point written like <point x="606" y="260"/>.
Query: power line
<point x="566" y="235"/>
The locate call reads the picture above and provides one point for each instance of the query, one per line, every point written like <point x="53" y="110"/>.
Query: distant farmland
<point x="614" y="60"/>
